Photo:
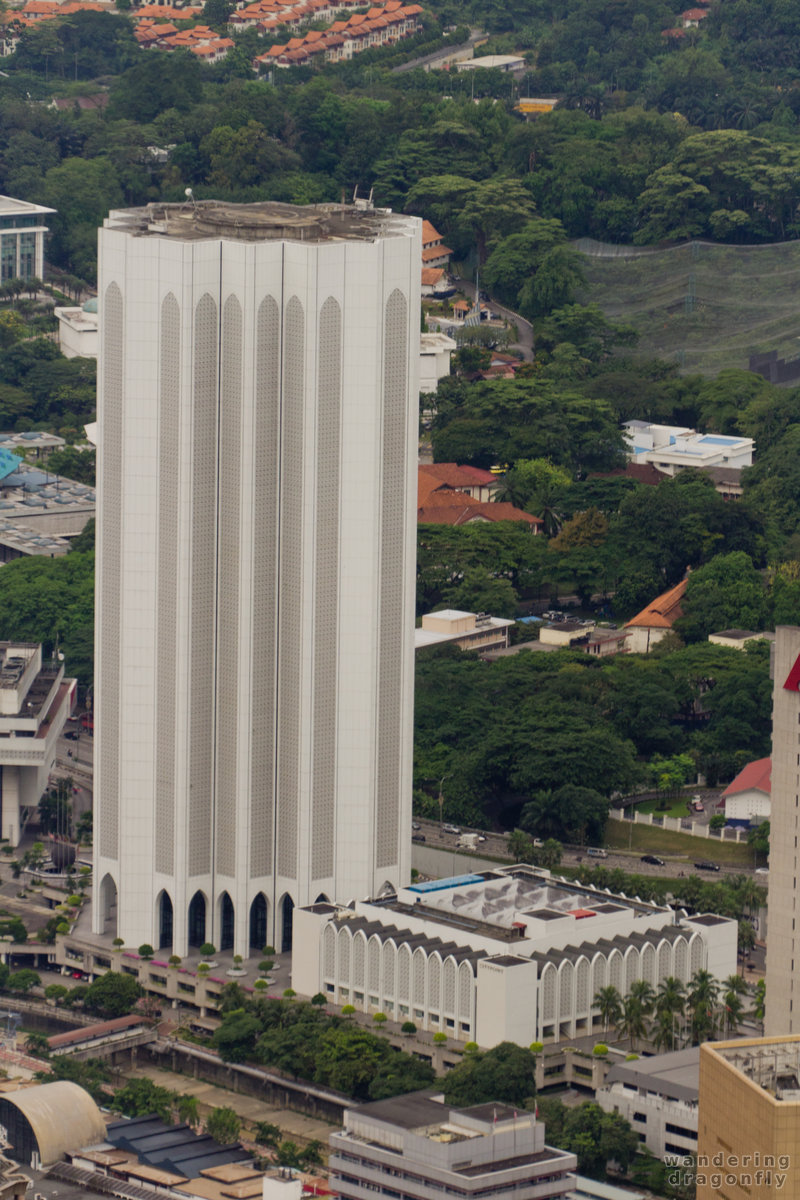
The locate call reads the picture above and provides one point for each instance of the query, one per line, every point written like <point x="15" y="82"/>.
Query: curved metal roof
<point x="62" y="1116"/>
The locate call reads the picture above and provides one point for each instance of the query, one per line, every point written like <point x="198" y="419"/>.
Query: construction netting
<point x="703" y="305"/>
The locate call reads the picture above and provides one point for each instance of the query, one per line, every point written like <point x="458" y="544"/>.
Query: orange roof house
<point x="655" y="621"/>
<point x="449" y="494"/>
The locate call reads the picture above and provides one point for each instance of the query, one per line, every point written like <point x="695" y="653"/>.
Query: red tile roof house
<point x="434" y="251"/>
<point x="448" y="494"/>
<point x="655" y="621"/>
<point x="747" y="800"/>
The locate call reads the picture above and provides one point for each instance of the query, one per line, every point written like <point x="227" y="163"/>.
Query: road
<point x="440" y="56"/>
<point x="496" y="846"/>
<point x="524" y="328"/>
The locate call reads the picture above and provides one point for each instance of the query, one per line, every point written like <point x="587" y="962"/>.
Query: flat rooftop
<point x="773" y="1064"/>
<point x="200" y="220"/>
<point x="675" y="1075"/>
<point x="490" y="899"/>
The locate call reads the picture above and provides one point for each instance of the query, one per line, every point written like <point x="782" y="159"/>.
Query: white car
<point x="451" y="829"/>
<point x="762" y="871"/>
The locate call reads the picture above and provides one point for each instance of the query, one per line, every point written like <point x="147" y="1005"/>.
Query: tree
<point x="236" y="1037"/>
<point x="758" y="839"/>
<point x="505" y="1073"/>
<point x="38" y="1044"/>
<point x="140" y="1097"/>
<point x="24" y="980"/>
<point x="608" y="1003"/>
<point x="268" y="1135"/>
<point x="113" y="994"/>
<point x="633" y="1020"/>
<point x="550" y="854"/>
<point x="703" y="993"/>
<point x="536" y="486"/>
<point x="188" y="1111"/>
<point x="727" y="593"/>
<point x="146" y="951"/>
<point x="223" y="1125"/>
<point x="520" y="847"/>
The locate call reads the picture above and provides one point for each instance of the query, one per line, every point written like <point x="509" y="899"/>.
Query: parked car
<point x="762" y="871"/>
<point x="653" y="859"/>
<point x="415" y="825"/>
<point x="594" y="852"/>
<point x="418" y="837"/>
<point x="452" y="829"/>
<point x="705" y="865"/>
<point x="71" y="735"/>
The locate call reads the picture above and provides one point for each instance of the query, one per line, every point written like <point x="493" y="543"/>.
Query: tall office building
<point x="255" y="610"/>
<point x="783" y="946"/>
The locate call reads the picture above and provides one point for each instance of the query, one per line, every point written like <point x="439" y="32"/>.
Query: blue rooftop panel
<point x="8" y="462"/>
<point x="711" y="440"/>
<point x="441" y="885"/>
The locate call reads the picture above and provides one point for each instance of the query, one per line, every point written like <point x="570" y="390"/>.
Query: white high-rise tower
<point x="257" y="409"/>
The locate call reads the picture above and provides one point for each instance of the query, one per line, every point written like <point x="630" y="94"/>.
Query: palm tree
<point x="669" y="1005"/>
<point x="702" y="999"/>
<point x="643" y="992"/>
<point x="664" y="1034"/>
<point x="633" y="1023"/>
<point x="608" y="1002"/>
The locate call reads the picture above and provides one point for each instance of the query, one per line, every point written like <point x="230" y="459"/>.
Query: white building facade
<point x="507" y="955"/>
<point x="257" y="410"/>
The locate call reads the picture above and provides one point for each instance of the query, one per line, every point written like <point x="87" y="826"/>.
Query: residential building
<point x="422" y="1147"/>
<point x="508" y="954"/>
<point x="449" y="494"/>
<point x="727" y="481"/>
<point x="655" y="621"/>
<point x="23" y="228"/>
<point x="434" y="251"/>
<point x="257" y="411"/>
<point x="435" y="350"/>
<point x="749" y="1118"/>
<point x="35" y="700"/>
<point x="747" y="798"/>
<point x="672" y="448"/>
<point x="468" y="631"/>
<point x="658" y="1096"/>
<point x="567" y="633"/>
<point x="604" y="642"/>
<point x="737" y="639"/>
<point x="783" y="946"/>
<point x="78" y="330"/>
<point x="473" y="482"/>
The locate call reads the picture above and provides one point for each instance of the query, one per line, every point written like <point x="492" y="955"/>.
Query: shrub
<point x="408" y="1027"/>
<point x="471" y="1048"/>
<point x="379" y="1018"/>
<point x="536" y="1047"/>
<point x="319" y="1000"/>
<point x="266" y="965"/>
<point x="348" y="1010"/>
<point x="260" y="985"/>
<point x="600" y="1050"/>
<point x="174" y="960"/>
<point x="269" y="951"/>
<point x="289" y="994"/>
<point x="207" y="950"/>
<point x="440" y="1038"/>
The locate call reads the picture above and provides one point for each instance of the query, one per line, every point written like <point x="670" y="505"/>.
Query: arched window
<point x="287" y="916"/>
<point x="108" y="905"/>
<point x="197" y="919"/>
<point x="226" y="922"/>
<point x="164" y="914"/>
<point x="258" y="922"/>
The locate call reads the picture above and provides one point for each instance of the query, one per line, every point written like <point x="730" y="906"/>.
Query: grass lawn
<point x="676" y="809"/>
<point x="650" y="839"/>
